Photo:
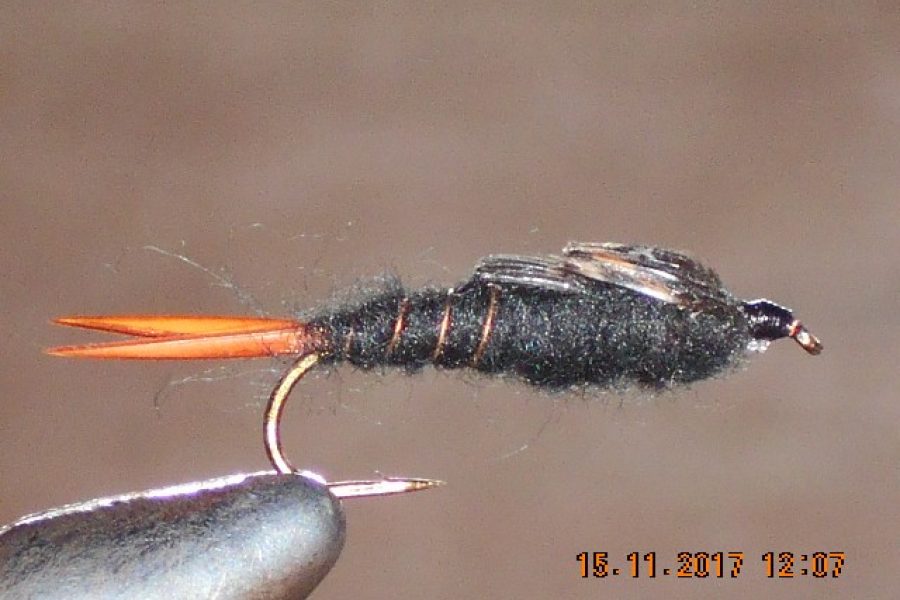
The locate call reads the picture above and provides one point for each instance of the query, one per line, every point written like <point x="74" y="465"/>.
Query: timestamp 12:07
<point x="712" y="565"/>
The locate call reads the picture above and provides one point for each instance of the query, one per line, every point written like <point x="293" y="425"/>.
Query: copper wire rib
<point x="488" y="326"/>
<point x="444" y="327"/>
<point x="399" y="326"/>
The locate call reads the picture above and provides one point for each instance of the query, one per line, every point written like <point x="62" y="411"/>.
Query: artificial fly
<point x="605" y="315"/>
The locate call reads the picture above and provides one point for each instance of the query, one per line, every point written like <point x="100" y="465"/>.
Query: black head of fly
<point x="769" y="321"/>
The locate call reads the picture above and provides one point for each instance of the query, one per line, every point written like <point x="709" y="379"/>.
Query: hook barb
<point x="388" y="486"/>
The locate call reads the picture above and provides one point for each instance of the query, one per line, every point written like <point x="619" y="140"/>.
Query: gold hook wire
<point x="342" y="489"/>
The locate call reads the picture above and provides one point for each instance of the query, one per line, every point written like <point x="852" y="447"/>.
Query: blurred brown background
<point x="294" y="148"/>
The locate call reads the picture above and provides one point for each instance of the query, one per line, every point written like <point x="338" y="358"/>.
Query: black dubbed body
<point x="601" y="314"/>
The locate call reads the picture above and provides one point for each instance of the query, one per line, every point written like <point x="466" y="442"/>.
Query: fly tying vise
<point x="601" y="314"/>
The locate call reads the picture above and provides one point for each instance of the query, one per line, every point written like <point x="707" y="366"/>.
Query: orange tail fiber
<point x="190" y="337"/>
